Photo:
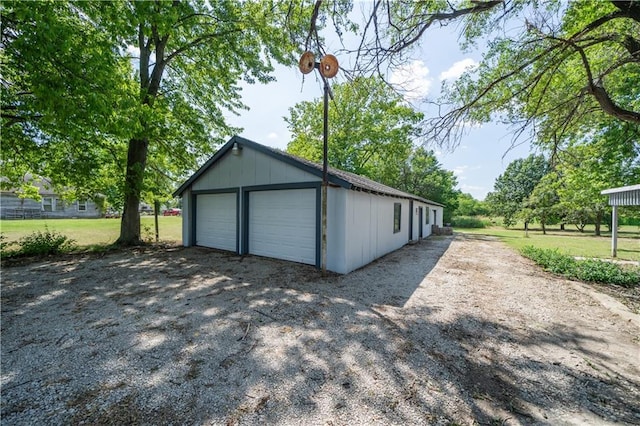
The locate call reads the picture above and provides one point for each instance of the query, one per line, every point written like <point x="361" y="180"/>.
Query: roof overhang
<point x="335" y="177"/>
<point x="623" y="196"/>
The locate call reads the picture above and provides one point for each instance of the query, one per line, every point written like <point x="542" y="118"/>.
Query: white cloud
<point x="456" y="70"/>
<point x="412" y="79"/>
<point x="459" y="171"/>
<point x="272" y="136"/>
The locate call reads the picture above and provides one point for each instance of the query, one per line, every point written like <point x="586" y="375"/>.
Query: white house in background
<point x="252" y="199"/>
<point x="50" y="205"/>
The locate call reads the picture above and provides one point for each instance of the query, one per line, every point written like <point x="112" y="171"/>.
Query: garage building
<point x="253" y="199"/>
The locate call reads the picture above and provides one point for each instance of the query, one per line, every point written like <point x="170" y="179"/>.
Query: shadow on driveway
<point x="200" y="336"/>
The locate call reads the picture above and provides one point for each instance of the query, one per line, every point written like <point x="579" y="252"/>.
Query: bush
<point x="467" y="222"/>
<point x="631" y="221"/>
<point x="42" y="243"/>
<point x="589" y="270"/>
<point x="5" y="245"/>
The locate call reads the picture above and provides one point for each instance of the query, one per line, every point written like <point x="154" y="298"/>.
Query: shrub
<point x="467" y="222"/>
<point x="43" y="243"/>
<point x="589" y="270"/>
<point x="5" y="246"/>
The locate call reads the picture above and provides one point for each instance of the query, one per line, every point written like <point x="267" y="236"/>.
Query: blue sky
<point x="482" y="154"/>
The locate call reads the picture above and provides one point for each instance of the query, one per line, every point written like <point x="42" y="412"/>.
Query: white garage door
<point x="216" y="219"/>
<point x="282" y="224"/>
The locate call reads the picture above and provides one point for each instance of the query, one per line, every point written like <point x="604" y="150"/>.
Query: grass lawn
<point x="89" y="232"/>
<point x="569" y="242"/>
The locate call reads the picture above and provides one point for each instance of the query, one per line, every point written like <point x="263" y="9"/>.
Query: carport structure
<point x="622" y="196"/>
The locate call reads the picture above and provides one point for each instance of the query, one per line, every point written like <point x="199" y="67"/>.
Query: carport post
<point x="614" y="231"/>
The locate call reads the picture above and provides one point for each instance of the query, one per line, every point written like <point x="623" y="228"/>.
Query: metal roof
<point x="624" y="195"/>
<point x="335" y="176"/>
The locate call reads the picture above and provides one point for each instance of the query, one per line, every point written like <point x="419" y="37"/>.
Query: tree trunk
<point x="136" y="162"/>
<point x="544" y="229"/>
<point x="562" y="226"/>
<point x="598" y="223"/>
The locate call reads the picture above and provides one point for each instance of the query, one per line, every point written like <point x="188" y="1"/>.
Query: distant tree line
<point x="566" y="188"/>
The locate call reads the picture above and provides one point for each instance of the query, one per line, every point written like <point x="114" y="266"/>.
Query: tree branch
<point x="600" y="93"/>
<point x="199" y="40"/>
<point x="313" y="29"/>
<point x="630" y="8"/>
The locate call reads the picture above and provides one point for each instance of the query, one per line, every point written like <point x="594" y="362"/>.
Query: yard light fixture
<point x="328" y="67"/>
<point x="237" y="149"/>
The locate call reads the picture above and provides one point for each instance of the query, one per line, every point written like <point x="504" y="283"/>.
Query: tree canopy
<point x="553" y="70"/>
<point x="371" y="133"/>
<point x="567" y="189"/>
<point x="570" y="69"/>
<point x="513" y="187"/>
<point x="127" y="90"/>
<point x="371" y="129"/>
<point x="469" y="206"/>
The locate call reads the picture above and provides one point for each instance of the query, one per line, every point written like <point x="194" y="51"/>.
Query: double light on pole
<point x="328" y="67"/>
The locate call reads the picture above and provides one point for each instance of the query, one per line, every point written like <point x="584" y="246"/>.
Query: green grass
<point x="569" y="242"/>
<point x="92" y="232"/>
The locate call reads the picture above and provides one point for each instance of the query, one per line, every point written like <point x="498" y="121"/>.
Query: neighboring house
<point x="252" y="199"/>
<point x="50" y="206"/>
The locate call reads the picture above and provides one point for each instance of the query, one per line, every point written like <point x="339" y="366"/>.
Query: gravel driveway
<point x="450" y="330"/>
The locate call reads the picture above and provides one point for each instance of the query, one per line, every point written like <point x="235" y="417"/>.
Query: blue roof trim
<point x="337" y="177"/>
<point x="306" y="165"/>
<point x="286" y="158"/>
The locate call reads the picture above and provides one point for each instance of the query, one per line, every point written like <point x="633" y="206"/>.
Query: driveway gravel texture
<point x="451" y="330"/>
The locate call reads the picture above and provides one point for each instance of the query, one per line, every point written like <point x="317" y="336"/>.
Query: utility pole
<point x="328" y="67"/>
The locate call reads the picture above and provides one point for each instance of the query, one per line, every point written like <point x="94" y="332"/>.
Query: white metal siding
<point x="336" y="229"/>
<point x="369" y="228"/>
<point x="626" y="198"/>
<point x="216" y="219"/>
<point x="282" y="224"/>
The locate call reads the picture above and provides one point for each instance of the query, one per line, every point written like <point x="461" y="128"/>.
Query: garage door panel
<point x="216" y="221"/>
<point x="282" y="224"/>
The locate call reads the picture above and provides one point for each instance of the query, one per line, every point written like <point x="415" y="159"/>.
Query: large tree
<point x="423" y="175"/>
<point x="66" y="99"/>
<point x="586" y="169"/>
<point x="543" y="204"/>
<point x="569" y="68"/>
<point x="371" y="129"/>
<point x="165" y="112"/>
<point x="552" y="69"/>
<point x="469" y="206"/>
<point x="512" y="188"/>
<point x="371" y="133"/>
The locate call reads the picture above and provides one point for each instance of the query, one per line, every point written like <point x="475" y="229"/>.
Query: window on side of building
<point x="397" y="211"/>
<point x="82" y="206"/>
<point x="47" y="204"/>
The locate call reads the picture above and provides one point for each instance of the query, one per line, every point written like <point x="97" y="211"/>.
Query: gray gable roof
<point x="337" y="177"/>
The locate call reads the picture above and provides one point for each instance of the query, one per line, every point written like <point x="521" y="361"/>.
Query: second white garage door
<point x="282" y="224"/>
<point x="216" y="220"/>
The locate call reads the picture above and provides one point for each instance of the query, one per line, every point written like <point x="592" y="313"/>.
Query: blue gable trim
<point x="242" y="142"/>
<point x="336" y="177"/>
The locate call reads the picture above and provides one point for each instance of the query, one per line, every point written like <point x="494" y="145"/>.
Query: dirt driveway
<point x="450" y="330"/>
